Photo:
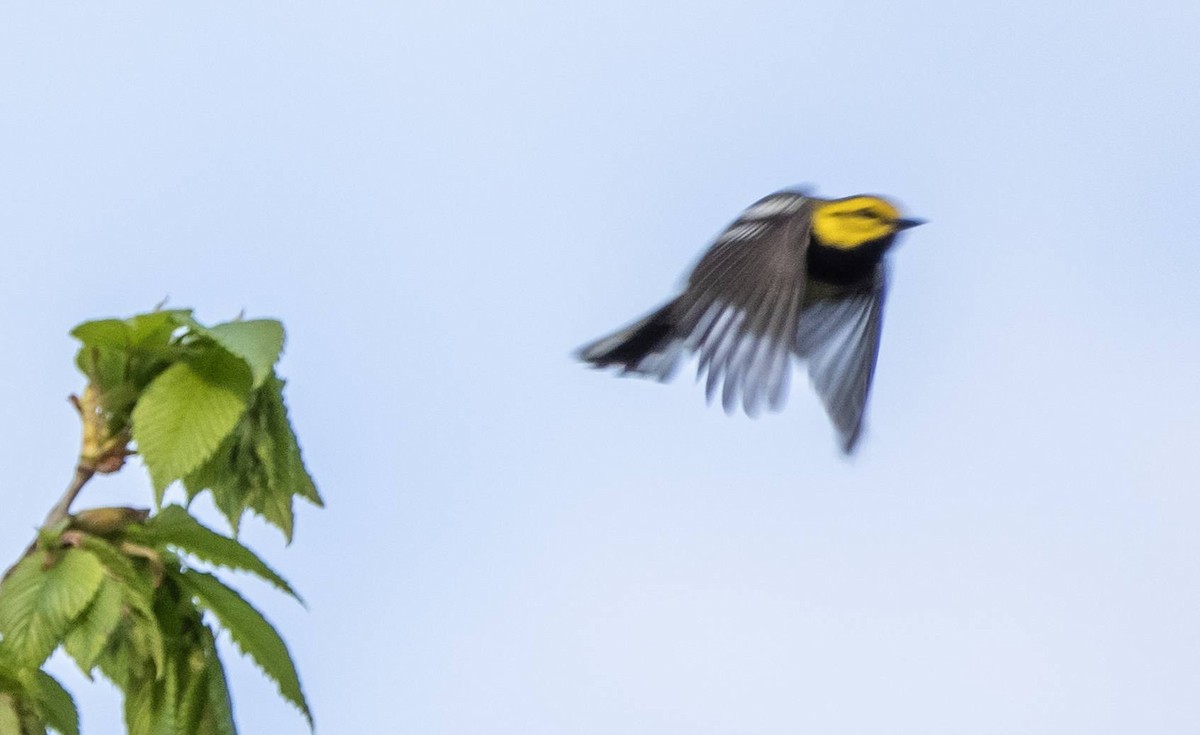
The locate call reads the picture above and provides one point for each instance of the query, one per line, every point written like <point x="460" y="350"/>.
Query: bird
<point x="794" y="278"/>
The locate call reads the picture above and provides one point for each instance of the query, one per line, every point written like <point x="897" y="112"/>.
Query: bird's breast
<point x="844" y="267"/>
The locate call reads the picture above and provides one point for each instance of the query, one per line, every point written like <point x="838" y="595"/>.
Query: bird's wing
<point x="839" y="337"/>
<point x="742" y="301"/>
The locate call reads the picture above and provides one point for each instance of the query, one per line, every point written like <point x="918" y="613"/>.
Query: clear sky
<point x="442" y="200"/>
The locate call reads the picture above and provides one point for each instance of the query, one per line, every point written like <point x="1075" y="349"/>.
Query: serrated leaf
<point x="147" y="643"/>
<point x="118" y="662"/>
<point x="132" y="351"/>
<point x="175" y="527"/>
<point x="275" y="507"/>
<point x="251" y="632"/>
<point x="150" y="706"/>
<point x="303" y="483"/>
<point x="204" y="707"/>
<point x="137" y="597"/>
<point x="53" y="703"/>
<point x="257" y="341"/>
<point x="193" y="703"/>
<point x="121" y="568"/>
<point x="219" y="476"/>
<point x="258" y="467"/>
<point x="103" y="333"/>
<point x="41" y="597"/>
<point x="128" y="661"/>
<point x="154" y="328"/>
<point x="220" y="708"/>
<point x="153" y="708"/>
<point x="18" y="711"/>
<point x="289" y="463"/>
<point x="186" y="412"/>
<point x="90" y="635"/>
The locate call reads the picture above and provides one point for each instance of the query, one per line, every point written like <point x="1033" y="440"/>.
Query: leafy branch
<point x="119" y="589"/>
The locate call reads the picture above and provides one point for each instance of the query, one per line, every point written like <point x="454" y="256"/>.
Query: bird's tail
<point x="650" y="346"/>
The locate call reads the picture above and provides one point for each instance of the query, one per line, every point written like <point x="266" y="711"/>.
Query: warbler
<point x="794" y="277"/>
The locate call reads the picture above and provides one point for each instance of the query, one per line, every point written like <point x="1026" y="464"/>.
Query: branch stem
<point x="60" y="510"/>
<point x="63" y="507"/>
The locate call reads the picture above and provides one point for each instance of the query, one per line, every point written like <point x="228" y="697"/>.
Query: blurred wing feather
<point x="742" y="303"/>
<point x="840" y="339"/>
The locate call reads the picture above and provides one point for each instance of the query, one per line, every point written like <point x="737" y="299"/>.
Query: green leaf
<point x="275" y="506"/>
<point x="303" y="483"/>
<point x="258" y="466"/>
<point x="106" y="367"/>
<point x="122" y="662"/>
<point x="8" y="667"/>
<point x="137" y="598"/>
<point x="220" y="708"/>
<point x="154" y="329"/>
<point x="53" y="703"/>
<point x="45" y="592"/>
<point x="124" y="355"/>
<point x="277" y="472"/>
<point x="258" y="341"/>
<point x="18" y="708"/>
<point x="219" y="474"/>
<point x="135" y="584"/>
<point x="175" y="527"/>
<point x="153" y="692"/>
<point x="289" y="470"/>
<point x="193" y="702"/>
<point x="103" y="333"/>
<point x="252" y="633"/>
<point x="118" y="399"/>
<point x="90" y="635"/>
<point x="186" y="412"/>
<point x="204" y="707"/>
<point x="149" y="330"/>
<point x="11" y="720"/>
<point x="150" y="706"/>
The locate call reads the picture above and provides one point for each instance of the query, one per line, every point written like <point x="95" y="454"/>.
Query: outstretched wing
<point x="743" y="300"/>
<point x="839" y="337"/>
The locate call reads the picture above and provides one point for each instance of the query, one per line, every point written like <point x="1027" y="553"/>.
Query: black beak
<point x="904" y="224"/>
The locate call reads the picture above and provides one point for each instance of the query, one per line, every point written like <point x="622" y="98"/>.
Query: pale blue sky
<point x="442" y="200"/>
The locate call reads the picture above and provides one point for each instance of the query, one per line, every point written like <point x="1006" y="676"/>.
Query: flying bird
<point x="793" y="277"/>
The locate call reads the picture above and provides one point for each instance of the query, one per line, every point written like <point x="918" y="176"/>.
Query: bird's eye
<point x="867" y="213"/>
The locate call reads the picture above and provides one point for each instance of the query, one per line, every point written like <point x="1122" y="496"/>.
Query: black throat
<point x="845" y="266"/>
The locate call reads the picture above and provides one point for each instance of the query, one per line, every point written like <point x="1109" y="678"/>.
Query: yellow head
<point x="848" y="223"/>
